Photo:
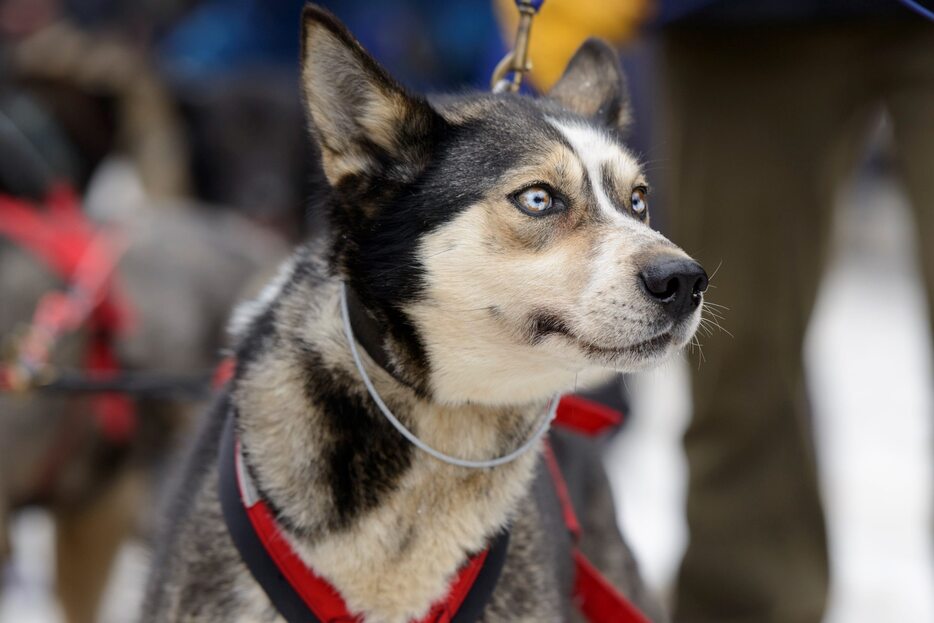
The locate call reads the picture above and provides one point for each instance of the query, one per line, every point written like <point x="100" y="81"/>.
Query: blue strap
<point x="916" y="7"/>
<point x="534" y="4"/>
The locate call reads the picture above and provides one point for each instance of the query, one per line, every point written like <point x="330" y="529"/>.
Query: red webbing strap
<point x="115" y="413"/>
<point x="597" y="599"/>
<point x="319" y="595"/>
<point x="586" y="416"/>
<point x="60" y="235"/>
<point x="561" y="488"/>
<point x="223" y="372"/>
<point x="445" y="610"/>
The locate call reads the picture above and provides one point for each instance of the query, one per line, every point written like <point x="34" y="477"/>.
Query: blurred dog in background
<point x="63" y="115"/>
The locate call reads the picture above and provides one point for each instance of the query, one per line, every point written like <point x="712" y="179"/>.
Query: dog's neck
<point x="385" y="523"/>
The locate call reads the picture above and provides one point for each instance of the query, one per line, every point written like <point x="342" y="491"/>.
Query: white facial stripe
<point x="594" y="149"/>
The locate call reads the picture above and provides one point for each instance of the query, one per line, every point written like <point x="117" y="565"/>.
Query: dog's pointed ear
<point x="593" y="85"/>
<point x="363" y="120"/>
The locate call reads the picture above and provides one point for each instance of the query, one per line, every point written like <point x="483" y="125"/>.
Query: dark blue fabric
<point x="222" y="36"/>
<point x="427" y="45"/>
<point x="748" y="11"/>
<point x="925" y="10"/>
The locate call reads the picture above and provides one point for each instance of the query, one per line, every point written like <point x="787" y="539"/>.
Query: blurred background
<point x="782" y="471"/>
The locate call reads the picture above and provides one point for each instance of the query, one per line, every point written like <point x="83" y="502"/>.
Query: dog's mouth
<point x="644" y="348"/>
<point x="546" y="325"/>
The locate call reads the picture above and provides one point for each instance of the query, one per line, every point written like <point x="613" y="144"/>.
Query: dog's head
<point x="503" y="242"/>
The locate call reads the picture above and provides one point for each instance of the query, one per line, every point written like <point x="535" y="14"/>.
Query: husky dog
<point x="501" y="247"/>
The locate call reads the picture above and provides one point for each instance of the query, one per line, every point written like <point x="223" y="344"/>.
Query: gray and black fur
<point x="487" y="309"/>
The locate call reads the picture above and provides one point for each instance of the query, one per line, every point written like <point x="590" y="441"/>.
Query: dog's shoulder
<point x="195" y="558"/>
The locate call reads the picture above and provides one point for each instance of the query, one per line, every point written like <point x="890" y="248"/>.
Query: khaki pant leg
<point x="908" y="75"/>
<point x="760" y="126"/>
<point x="87" y="541"/>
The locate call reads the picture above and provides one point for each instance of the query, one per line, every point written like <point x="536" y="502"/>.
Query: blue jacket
<point x="747" y="11"/>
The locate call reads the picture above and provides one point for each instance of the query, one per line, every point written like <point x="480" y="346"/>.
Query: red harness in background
<point x="84" y="257"/>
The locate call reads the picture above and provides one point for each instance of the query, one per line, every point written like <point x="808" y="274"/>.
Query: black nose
<point x="675" y="282"/>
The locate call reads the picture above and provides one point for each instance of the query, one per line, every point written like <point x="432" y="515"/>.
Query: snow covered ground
<point x="872" y="380"/>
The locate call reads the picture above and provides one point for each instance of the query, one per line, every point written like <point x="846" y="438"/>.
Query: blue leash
<point x="918" y="8"/>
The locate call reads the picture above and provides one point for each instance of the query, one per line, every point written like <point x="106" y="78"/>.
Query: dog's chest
<point x="530" y="588"/>
<point x="398" y="559"/>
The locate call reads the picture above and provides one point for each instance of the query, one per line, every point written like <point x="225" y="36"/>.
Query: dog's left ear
<point x="363" y="120"/>
<point x="593" y="85"/>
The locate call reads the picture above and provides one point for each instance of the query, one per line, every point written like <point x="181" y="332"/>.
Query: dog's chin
<point x="633" y="356"/>
<point x="637" y="355"/>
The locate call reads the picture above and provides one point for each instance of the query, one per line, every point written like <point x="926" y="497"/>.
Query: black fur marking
<point x="544" y="324"/>
<point x="261" y="337"/>
<point x="611" y="187"/>
<point x="593" y="214"/>
<point x="366" y="456"/>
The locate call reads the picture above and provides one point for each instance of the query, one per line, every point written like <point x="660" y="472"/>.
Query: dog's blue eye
<point x="535" y="200"/>
<point x="639" y="204"/>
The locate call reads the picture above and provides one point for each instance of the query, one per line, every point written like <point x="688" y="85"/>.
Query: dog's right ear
<point x="594" y="86"/>
<point x="363" y="120"/>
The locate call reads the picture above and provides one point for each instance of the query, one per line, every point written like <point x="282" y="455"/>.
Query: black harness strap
<point x="367" y="332"/>
<point x="281" y="593"/>
<point x="482" y="590"/>
<point x="254" y="555"/>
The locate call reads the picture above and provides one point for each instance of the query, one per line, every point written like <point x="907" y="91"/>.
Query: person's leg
<point x="5" y="548"/>
<point x="87" y="540"/>
<point x="908" y="76"/>
<point x="759" y="126"/>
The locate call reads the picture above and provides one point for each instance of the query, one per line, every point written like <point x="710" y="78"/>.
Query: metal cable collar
<point x="405" y="432"/>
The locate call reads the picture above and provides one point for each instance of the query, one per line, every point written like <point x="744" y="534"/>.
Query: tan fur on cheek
<point x="486" y="283"/>
<point x="511" y="229"/>
<point x="482" y="289"/>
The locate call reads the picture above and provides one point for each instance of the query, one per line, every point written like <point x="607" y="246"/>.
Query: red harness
<point x="597" y="599"/>
<point x="317" y="593"/>
<point x="60" y="235"/>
